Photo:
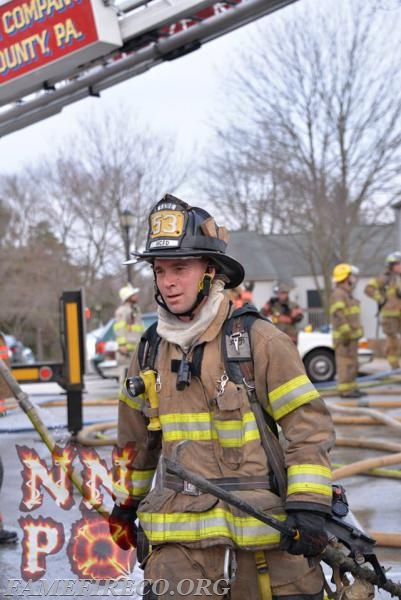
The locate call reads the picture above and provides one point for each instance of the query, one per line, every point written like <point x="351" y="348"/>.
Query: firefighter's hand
<point x="122" y="526"/>
<point x="312" y="535"/>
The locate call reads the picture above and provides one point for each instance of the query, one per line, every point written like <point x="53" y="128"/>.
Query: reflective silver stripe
<point x="217" y="522"/>
<point x="288" y="401"/>
<point x="236" y="433"/>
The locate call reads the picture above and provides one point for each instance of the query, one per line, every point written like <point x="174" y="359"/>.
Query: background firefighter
<point x="128" y="328"/>
<point x="346" y="329"/>
<point x="283" y="312"/>
<point x="386" y="290"/>
<point x="193" y="535"/>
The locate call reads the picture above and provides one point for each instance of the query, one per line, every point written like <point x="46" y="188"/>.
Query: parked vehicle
<point x="20" y="354"/>
<point x="105" y="359"/>
<point x="317" y="352"/>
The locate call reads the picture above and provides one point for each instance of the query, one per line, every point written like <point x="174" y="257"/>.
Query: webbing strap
<point x="241" y="370"/>
<point x="265" y="591"/>
<point x="148" y="346"/>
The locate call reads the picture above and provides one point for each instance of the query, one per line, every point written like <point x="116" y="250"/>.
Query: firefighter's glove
<point x="312" y="535"/>
<point x="122" y="526"/>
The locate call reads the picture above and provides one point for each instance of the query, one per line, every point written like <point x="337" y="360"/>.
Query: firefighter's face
<point x="396" y="268"/>
<point x="178" y="281"/>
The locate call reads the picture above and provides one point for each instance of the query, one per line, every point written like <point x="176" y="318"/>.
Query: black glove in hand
<point x="313" y="537"/>
<point x="122" y="526"/>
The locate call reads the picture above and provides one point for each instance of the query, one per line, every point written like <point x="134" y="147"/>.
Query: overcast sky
<point x="178" y="96"/>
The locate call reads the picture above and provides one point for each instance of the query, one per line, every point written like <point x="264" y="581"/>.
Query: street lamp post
<point x="127" y="221"/>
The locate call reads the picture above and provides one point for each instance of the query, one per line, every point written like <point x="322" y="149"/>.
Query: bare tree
<point x="316" y="112"/>
<point x="33" y="276"/>
<point x="115" y="164"/>
<point x="60" y="225"/>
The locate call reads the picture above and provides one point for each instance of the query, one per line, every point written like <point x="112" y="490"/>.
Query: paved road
<point x="376" y="502"/>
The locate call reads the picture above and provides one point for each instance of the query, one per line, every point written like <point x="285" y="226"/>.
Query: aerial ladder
<point x="56" y="52"/>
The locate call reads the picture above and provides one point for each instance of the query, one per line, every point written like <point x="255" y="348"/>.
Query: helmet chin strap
<point x="204" y="289"/>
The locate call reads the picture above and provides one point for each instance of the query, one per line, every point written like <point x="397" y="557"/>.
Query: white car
<point x="317" y="352"/>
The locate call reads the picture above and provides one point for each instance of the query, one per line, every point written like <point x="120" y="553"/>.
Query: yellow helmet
<point x="342" y="271"/>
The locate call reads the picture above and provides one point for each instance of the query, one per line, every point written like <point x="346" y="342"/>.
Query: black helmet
<point x="179" y="230"/>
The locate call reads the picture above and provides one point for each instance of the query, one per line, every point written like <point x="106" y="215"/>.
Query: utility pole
<point x="127" y="220"/>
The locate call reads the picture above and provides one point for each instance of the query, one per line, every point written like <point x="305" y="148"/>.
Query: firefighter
<point x="241" y="295"/>
<point x="128" y="328"/>
<point x="283" y="312"/>
<point x="386" y="290"/>
<point x="205" y="421"/>
<point x="346" y="329"/>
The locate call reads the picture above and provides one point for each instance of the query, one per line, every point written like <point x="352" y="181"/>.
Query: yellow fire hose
<point x="392" y="422"/>
<point x="368" y="443"/>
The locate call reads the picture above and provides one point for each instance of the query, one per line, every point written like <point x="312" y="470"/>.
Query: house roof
<point x="284" y="256"/>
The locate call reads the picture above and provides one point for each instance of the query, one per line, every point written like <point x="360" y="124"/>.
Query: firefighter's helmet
<point x="127" y="291"/>
<point x="342" y="271"/>
<point x="393" y="257"/>
<point x="282" y="288"/>
<point x="179" y="230"/>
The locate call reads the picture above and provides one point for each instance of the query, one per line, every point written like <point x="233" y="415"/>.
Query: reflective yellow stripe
<point x="345" y="387"/>
<point x="190" y="426"/>
<point x="217" y="522"/>
<point x="119" y="324"/>
<point x="142" y="482"/>
<point x="340" y="305"/>
<point x="136" y="403"/>
<point x="136" y="327"/>
<point x="139" y="484"/>
<point x="234" y="434"/>
<point x="309" y="479"/>
<point x="202" y="426"/>
<point x="291" y="395"/>
<point x="390" y="313"/>
<point x="353" y="310"/>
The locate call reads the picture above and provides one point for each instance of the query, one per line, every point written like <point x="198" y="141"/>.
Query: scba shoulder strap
<point x="148" y="346"/>
<point x="239" y="364"/>
<point x="237" y="350"/>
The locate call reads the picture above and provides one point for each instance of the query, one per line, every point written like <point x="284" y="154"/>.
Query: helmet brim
<point x="227" y="265"/>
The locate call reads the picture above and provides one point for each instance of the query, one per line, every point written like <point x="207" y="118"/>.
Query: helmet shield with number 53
<point x="177" y="230"/>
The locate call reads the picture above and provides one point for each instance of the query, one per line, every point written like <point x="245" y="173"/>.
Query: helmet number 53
<point x="167" y="223"/>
